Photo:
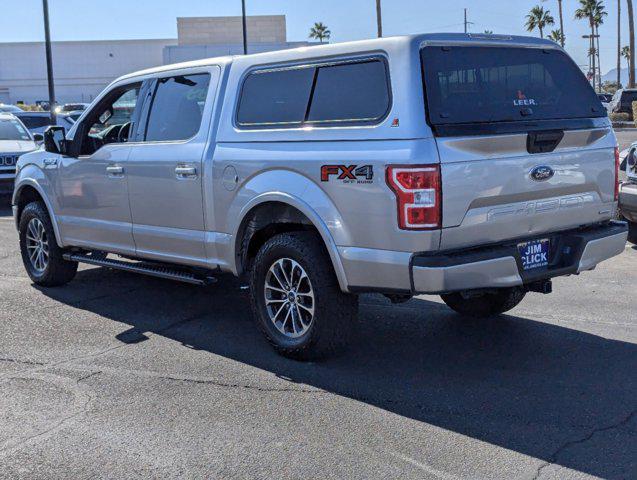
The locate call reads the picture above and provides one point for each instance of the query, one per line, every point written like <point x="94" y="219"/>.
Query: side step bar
<point x="153" y="270"/>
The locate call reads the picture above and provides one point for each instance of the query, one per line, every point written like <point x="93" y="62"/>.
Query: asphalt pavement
<point x="122" y="376"/>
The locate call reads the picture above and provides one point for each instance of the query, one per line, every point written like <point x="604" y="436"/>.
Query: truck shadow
<point x="546" y="391"/>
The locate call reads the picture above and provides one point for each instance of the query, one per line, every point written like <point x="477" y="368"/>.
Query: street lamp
<point x="49" y="60"/>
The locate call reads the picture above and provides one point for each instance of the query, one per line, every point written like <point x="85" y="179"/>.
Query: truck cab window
<point x="110" y="120"/>
<point x="177" y="108"/>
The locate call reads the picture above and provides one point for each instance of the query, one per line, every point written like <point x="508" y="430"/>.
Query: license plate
<point x="534" y="254"/>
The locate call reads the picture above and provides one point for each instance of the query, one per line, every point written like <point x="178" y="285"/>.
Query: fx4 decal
<point x="348" y="173"/>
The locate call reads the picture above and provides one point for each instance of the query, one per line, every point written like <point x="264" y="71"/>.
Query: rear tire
<point x="486" y="305"/>
<point x="296" y="300"/>
<point x="41" y="255"/>
<point x="632" y="232"/>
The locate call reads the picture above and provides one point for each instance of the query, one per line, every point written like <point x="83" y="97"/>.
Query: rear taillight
<point x="616" y="173"/>
<point x="418" y="195"/>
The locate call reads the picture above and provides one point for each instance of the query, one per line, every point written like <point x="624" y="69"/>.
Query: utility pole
<point x="49" y="60"/>
<point x="563" y="39"/>
<point x="592" y="53"/>
<point x="379" y="19"/>
<point x="466" y="23"/>
<point x="619" y="42"/>
<point x="245" y="33"/>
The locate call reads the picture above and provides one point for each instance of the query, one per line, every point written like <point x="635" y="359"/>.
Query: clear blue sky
<point x="347" y="19"/>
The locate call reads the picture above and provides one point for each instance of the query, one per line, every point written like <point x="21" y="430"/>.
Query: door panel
<point x="165" y="172"/>
<point x="93" y="202"/>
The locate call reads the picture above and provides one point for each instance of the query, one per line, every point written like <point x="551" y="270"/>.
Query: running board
<point x="153" y="270"/>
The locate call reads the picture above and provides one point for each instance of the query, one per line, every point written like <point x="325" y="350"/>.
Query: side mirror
<point x="38" y="137"/>
<point x="55" y="140"/>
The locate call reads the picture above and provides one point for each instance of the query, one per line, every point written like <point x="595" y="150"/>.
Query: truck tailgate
<point x="489" y="194"/>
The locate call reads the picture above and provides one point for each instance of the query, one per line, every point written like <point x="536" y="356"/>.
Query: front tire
<point x="485" y="305"/>
<point x="41" y="255"/>
<point x="296" y="300"/>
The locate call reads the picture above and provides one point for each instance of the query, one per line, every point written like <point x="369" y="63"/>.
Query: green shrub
<point x="634" y="105"/>
<point x="620" y="117"/>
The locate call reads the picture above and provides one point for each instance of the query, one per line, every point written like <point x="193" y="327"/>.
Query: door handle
<point x="115" y="170"/>
<point x="183" y="171"/>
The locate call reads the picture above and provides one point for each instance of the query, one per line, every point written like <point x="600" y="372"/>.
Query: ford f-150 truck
<point x="477" y="167"/>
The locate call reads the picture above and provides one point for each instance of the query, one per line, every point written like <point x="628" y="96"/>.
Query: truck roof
<point x="344" y="48"/>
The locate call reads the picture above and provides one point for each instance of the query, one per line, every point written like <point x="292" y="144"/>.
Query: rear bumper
<point x="498" y="266"/>
<point x="490" y="266"/>
<point x="628" y="201"/>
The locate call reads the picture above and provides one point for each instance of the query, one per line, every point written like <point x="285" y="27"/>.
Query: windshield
<point x="13" y="130"/>
<point x="504" y="84"/>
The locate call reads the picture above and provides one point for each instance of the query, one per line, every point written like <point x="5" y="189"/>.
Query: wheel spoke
<point x="288" y="281"/>
<point x="285" y="320"/>
<point x="269" y="286"/>
<point x="307" y="309"/>
<point x="278" y="279"/>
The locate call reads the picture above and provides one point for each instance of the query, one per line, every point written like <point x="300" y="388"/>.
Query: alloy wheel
<point x="37" y="244"/>
<point x="289" y="298"/>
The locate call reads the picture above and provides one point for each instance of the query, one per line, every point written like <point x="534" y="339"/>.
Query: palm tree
<point x="562" y="36"/>
<point x="379" y="19"/>
<point x="599" y="12"/>
<point x="320" y="32"/>
<point x="556" y="36"/>
<point x="562" y="39"/>
<point x="587" y="11"/>
<point x="631" y="33"/>
<point x="540" y="19"/>
<point x="625" y="52"/>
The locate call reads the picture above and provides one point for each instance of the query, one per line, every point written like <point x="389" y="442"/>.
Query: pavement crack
<point x="217" y="383"/>
<point x="23" y="362"/>
<point x="84" y="408"/>
<point x="554" y="456"/>
<point x="46" y="366"/>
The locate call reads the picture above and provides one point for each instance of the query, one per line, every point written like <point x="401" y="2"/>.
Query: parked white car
<point x="15" y="139"/>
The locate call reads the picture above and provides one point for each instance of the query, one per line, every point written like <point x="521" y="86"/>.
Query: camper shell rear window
<point x="482" y="86"/>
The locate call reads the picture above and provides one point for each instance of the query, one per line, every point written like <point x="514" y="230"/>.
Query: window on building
<point x="177" y="107"/>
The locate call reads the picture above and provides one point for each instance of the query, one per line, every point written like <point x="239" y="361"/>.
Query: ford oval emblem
<point x="542" y="173"/>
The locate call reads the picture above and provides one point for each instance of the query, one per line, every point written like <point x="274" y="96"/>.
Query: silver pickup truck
<point x="474" y="167"/>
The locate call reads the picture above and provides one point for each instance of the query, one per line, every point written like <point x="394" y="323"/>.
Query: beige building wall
<point x="229" y="30"/>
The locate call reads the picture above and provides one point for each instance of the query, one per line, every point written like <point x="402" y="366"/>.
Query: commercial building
<point x="83" y="68"/>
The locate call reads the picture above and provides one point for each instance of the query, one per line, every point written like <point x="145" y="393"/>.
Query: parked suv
<point x="15" y="140"/>
<point x="622" y="101"/>
<point x="474" y="167"/>
<point x="628" y="192"/>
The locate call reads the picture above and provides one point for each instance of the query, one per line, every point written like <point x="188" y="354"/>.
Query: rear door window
<point x="177" y="108"/>
<point x="275" y="97"/>
<point x="466" y="85"/>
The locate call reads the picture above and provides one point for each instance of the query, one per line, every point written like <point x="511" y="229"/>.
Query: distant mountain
<point x="612" y="76"/>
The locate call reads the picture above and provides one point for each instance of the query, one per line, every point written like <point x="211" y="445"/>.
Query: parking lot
<point x="122" y="376"/>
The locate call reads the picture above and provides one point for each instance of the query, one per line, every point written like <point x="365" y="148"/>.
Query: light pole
<point x="379" y="19"/>
<point x="245" y="33"/>
<point x="49" y="60"/>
